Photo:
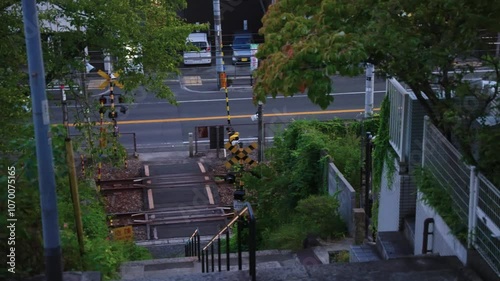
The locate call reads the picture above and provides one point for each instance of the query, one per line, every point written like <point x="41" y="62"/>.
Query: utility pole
<point x="219" y="62"/>
<point x="260" y="120"/>
<point x="73" y="182"/>
<point x="497" y="53"/>
<point x="369" y="90"/>
<point x="46" y="176"/>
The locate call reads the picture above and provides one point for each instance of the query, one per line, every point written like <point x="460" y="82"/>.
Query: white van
<point x="204" y="55"/>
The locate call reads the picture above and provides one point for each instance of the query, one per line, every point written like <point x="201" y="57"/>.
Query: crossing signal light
<point x="112" y="114"/>
<point x="102" y="100"/>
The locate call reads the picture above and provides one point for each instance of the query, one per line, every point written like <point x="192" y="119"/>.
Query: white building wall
<point x="443" y="242"/>
<point x="388" y="210"/>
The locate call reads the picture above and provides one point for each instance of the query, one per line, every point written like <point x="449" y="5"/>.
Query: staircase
<point x="403" y="269"/>
<point x="388" y="259"/>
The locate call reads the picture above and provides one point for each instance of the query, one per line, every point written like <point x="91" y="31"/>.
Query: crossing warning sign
<point x="123" y="233"/>
<point x="240" y="155"/>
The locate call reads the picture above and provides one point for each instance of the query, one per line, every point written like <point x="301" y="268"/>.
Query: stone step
<point x="393" y="244"/>
<point x="403" y="269"/>
<point x="191" y="265"/>
<point x="409" y="230"/>
<point x="363" y="253"/>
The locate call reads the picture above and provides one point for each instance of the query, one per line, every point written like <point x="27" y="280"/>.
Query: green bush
<point x="313" y="215"/>
<point x="319" y="214"/>
<point x="288" y="193"/>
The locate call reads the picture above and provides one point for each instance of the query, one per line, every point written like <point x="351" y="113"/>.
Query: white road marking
<point x="150" y="199"/>
<point x="202" y="168"/>
<point x="232" y="99"/>
<point x="209" y="193"/>
<point x="146" y="173"/>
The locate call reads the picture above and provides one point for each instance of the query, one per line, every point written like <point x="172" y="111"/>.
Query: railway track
<point x="127" y="204"/>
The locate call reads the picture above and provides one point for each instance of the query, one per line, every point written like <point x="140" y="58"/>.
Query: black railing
<point x="242" y="221"/>
<point x="193" y="246"/>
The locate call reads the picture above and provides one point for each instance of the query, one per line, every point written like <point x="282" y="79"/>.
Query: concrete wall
<point x="443" y="242"/>
<point x="346" y="195"/>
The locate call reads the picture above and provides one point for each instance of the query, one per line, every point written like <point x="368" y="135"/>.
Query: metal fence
<point x="446" y="165"/>
<point x="398" y="98"/>
<point x="475" y="198"/>
<point x="487" y="223"/>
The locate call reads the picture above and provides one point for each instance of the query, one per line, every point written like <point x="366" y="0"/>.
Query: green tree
<point x="418" y="42"/>
<point x="136" y="32"/>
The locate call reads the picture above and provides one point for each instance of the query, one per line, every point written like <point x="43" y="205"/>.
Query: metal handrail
<point x="192" y="247"/>
<point x="252" y="244"/>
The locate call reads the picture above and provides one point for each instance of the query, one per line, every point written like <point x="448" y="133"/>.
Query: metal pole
<point x="498" y="46"/>
<point x="136" y="155"/>
<point x="46" y="176"/>
<point x="212" y="253"/>
<point x="191" y="148"/>
<point x="203" y="261"/>
<point x="252" y="248"/>
<point x="227" y="250"/>
<point x="260" y="155"/>
<point x="218" y="42"/>
<point x="218" y="254"/>
<point x="369" y="90"/>
<point x="217" y="147"/>
<point x="238" y="242"/>
<point x="198" y="246"/>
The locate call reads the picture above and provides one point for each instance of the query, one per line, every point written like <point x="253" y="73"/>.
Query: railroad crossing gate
<point x="123" y="233"/>
<point x="240" y="154"/>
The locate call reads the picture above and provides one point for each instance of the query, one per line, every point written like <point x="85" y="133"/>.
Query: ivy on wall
<point x="439" y="198"/>
<point x="383" y="154"/>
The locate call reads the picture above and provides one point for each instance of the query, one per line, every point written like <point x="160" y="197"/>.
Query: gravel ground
<point x="218" y="170"/>
<point x="140" y="233"/>
<point x="134" y="166"/>
<point x="124" y="201"/>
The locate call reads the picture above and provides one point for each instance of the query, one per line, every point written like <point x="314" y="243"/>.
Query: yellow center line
<point x="184" y="119"/>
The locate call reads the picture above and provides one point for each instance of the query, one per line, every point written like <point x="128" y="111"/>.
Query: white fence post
<point x="473" y="198"/>
<point x="424" y="138"/>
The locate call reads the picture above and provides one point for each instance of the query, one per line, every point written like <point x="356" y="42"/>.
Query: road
<point x="159" y="125"/>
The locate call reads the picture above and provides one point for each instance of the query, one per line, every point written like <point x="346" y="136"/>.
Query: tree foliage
<point x="136" y="32"/>
<point x="432" y="46"/>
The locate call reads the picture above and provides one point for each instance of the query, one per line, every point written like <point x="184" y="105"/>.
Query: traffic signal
<point x="102" y="100"/>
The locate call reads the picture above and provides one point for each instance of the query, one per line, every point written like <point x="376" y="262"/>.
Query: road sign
<point x="123" y="233"/>
<point x="241" y="155"/>
<point x="254" y="62"/>
<point x="109" y="79"/>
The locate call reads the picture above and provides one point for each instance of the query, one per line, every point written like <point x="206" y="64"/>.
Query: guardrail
<point x="193" y="246"/>
<point x="241" y="222"/>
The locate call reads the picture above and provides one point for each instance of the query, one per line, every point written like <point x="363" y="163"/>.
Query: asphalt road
<point x="159" y="125"/>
